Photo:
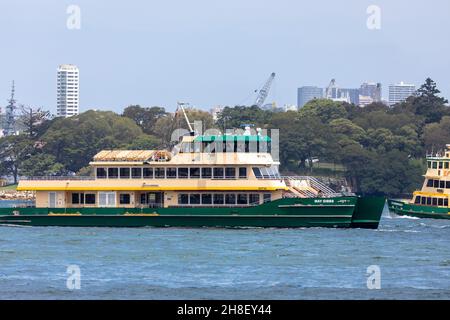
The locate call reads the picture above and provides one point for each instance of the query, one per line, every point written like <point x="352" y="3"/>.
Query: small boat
<point x="432" y="200"/>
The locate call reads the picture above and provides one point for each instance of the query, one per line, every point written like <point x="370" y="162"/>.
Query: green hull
<point x="407" y="209"/>
<point x="343" y="212"/>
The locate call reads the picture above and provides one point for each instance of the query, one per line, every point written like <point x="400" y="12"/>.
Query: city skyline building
<point x="308" y="93"/>
<point x="399" y="92"/>
<point x="68" y="91"/>
<point x="371" y="89"/>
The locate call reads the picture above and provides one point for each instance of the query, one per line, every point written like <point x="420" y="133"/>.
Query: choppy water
<point x="175" y="263"/>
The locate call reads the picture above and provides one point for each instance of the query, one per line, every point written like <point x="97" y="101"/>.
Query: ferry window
<point x="242" y="198"/>
<point x="254" y="198"/>
<point x="194" y="173"/>
<point x="267" y="197"/>
<point x="171" y="173"/>
<point x="89" y="198"/>
<point x="423" y="201"/>
<point x="440" y="165"/>
<point x="218" y="173"/>
<point x="183" y="198"/>
<point x="266" y="172"/>
<point x="197" y="147"/>
<point x="194" y="198"/>
<point x="106" y="199"/>
<point x="75" y="198"/>
<point x="136" y="173"/>
<point x="257" y="173"/>
<point x="113" y="173"/>
<point x="230" y="173"/>
<point x="206" y="198"/>
<point x="417" y="201"/>
<point x="206" y="173"/>
<point x="243" y="173"/>
<point x="159" y="173"/>
<point x="208" y="147"/>
<point x="218" y="198"/>
<point x="436" y="183"/>
<point x="218" y="146"/>
<point x="434" y="201"/>
<point x="442" y="184"/>
<point x="230" y="198"/>
<point x="240" y="146"/>
<point x="446" y="165"/>
<point x="430" y="183"/>
<point x="446" y="202"/>
<point x="230" y="147"/>
<point x="254" y="146"/>
<point x="440" y="202"/>
<point x="125" y="173"/>
<point x="124" y="198"/>
<point x="148" y="172"/>
<point x="429" y="201"/>
<point x="101" y="173"/>
<point x="186" y="147"/>
<point x="434" y="165"/>
<point x="183" y="173"/>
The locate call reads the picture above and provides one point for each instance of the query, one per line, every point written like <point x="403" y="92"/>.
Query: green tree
<point x="74" y="141"/>
<point x="324" y="109"/>
<point x="145" y="118"/>
<point x="14" y="151"/>
<point x="41" y="164"/>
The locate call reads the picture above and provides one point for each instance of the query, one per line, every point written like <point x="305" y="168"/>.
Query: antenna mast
<point x="181" y="106"/>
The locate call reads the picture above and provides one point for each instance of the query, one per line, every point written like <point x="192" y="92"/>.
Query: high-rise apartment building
<point x="68" y="91"/>
<point x="400" y="91"/>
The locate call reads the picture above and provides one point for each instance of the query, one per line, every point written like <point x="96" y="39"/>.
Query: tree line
<point x="381" y="148"/>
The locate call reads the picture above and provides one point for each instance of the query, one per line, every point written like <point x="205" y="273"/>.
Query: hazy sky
<point x="211" y="52"/>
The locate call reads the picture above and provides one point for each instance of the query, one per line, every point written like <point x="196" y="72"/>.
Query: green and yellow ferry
<point x="432" y="200"/>
<point x="219" y="180"/>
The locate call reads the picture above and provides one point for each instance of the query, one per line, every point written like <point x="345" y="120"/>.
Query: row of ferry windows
<point x="428" y="201"/>
<point x="172" y="173"/>
<point x="438" y="164"/>
<point x="105" y="198"/>
<point x="441" y="184"/>
<point x="221" y="198"/>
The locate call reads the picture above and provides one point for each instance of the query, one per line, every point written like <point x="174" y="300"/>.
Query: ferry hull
<point x="407" y="209"/>
<point x="338" y="212"/>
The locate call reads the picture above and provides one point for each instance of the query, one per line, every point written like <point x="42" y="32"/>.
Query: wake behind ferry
<point x="221" y="180"/>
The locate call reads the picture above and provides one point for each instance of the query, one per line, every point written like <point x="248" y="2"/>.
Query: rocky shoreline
<point x="17" y="195"/>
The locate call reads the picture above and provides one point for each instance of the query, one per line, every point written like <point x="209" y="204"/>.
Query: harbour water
<point x="413" y="257"/>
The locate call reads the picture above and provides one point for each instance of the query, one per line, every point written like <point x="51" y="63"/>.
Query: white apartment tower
<point x="68" y="91"/>
<point x="400" y="91"/>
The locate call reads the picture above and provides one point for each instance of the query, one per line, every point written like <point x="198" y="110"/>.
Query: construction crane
<point x="264" y="91"/>
<point x="10" y="121"/>
<point x="331" y="91"/>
